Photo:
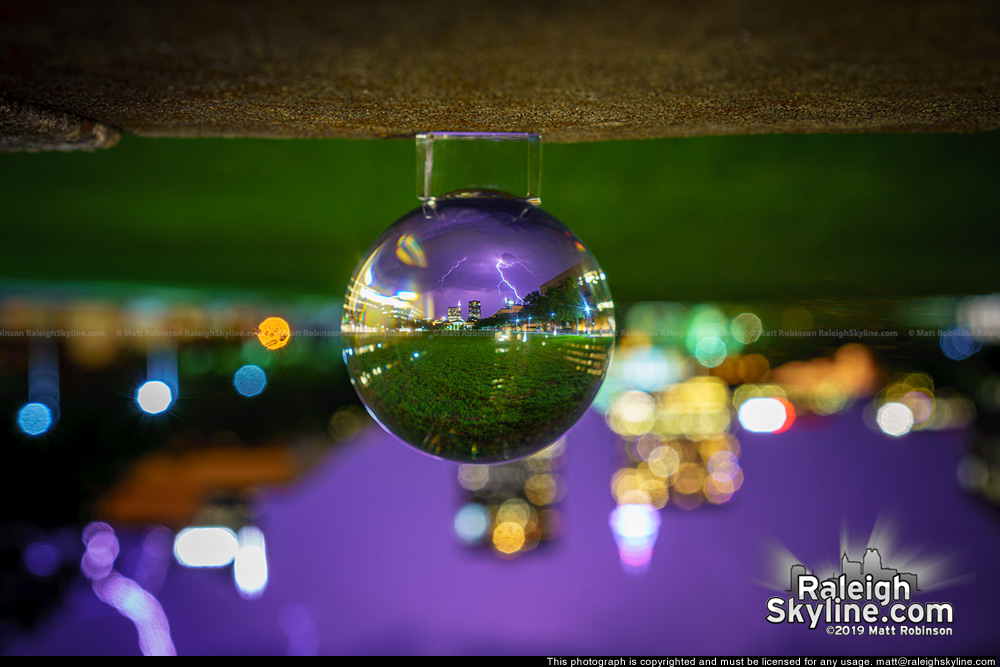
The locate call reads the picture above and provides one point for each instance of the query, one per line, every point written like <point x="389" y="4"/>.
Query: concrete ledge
<point x="573" y="71"/>
<point x="28" y="127"/>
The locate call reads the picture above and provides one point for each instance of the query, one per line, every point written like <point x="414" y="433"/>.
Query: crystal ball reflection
<point x="478" y="329"/>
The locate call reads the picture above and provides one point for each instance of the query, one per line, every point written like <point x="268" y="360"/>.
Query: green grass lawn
<point x="477" y="398"/>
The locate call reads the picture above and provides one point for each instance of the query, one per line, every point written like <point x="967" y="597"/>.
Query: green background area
<point x="752" y="217"/>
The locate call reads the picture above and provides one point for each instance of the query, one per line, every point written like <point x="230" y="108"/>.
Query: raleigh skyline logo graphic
<point x="865" y="592"/>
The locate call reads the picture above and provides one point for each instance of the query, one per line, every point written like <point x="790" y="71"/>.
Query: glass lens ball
<point x="478" y="329"/>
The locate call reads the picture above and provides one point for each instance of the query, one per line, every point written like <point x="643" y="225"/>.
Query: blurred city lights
<point x="753" y="368"/>
<point x="646" y="368"/>
<point x="763" y="415"/>
<point x="102" y="550"/>
<point x="696" y="409"/>
<point x="746" y="328"/>
<point x="894" y="419"/>
<point x="39" y="414"/>
<point x="274" y="333"/>
<point x="632" y="413"/>
<point x="473" y="477"/>
<point x="959" y="343"/>
<point x="205" y="546"/>
<point x="154" y="397"/>
<point x="980" y="314"/>
<point x="140" y="607"/>
<point x="41" y="559"/>
<point x="124" y="595"/>
<point x="664" y="461"/>
<point x="635" y="528"/>
<point x="639" y="486"/>
<point x="508" y="537"/>
<point x="543" y="489"/>
<point x="250" y="380"/>
<point x="513" y="505"/>
<point x="250" y="566"/>
<point x="789" y="415"/>
<point x="920" y="403"/>
<point x="472" y="522"/>
<point x="34" y="419"/>
<point x="710" y="351"/>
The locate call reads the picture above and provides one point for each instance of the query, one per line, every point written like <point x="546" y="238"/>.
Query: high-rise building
<point x="455" y="312"/>
<point x="797" y="571"/>
<point x="475" y="311"/>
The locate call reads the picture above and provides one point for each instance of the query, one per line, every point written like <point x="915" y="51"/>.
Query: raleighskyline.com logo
<point x="864" y="592"/>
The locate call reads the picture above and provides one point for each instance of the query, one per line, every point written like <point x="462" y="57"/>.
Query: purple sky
<point x="470" y="245"/>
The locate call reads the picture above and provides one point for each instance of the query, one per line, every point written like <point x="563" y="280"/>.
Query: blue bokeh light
<point x="959" y="344"/>
<point x="34" y="418"/>
<point x="250" y="380"/>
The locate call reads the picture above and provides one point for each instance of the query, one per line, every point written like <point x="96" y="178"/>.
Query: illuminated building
<point x="574" y="273"/>
<point x="475" y="311"/>
<point x="455" y="320"/>
<point x="510" y="308"/>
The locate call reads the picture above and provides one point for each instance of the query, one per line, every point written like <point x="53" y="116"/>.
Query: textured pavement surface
<point x="573" y="71"/>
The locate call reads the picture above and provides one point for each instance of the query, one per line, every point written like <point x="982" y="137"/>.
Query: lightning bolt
<point x="501" y="265"/>
<point x="449" y="272"/>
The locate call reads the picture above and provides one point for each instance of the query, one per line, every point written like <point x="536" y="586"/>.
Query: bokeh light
<point x="154" y="397"/>
<point x="646" y="368"/>
<point x="894" y="419"/>
<point x="102" y="550"/>
<point x="959" y="343"/>
<point x="205" y="546"/>
<point x="632" y="413"/>
<point x="508" y="537"/>
<point x="523" y="493"/>
<point x="746" y="328"/>
<point x="471" y="523"/>
<point x="710" y="351"/>
<point x="763" y="415"/>
<point x="250" y="564"/>
<point x="250" y="380"/>
<point x="123" y="594"/>
<point x="34" y="419"/>
<point x="635" y="528"/>
<point x="41" y="559"/>
<point x="274" y="333"/>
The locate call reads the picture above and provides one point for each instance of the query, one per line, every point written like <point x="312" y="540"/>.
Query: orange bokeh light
<point x="274" y="333"/>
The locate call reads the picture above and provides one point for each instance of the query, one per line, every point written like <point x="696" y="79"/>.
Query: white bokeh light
<point x="762" y="415"/>
<point x="895" y="419"/>
<point x="154" y="397"/>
